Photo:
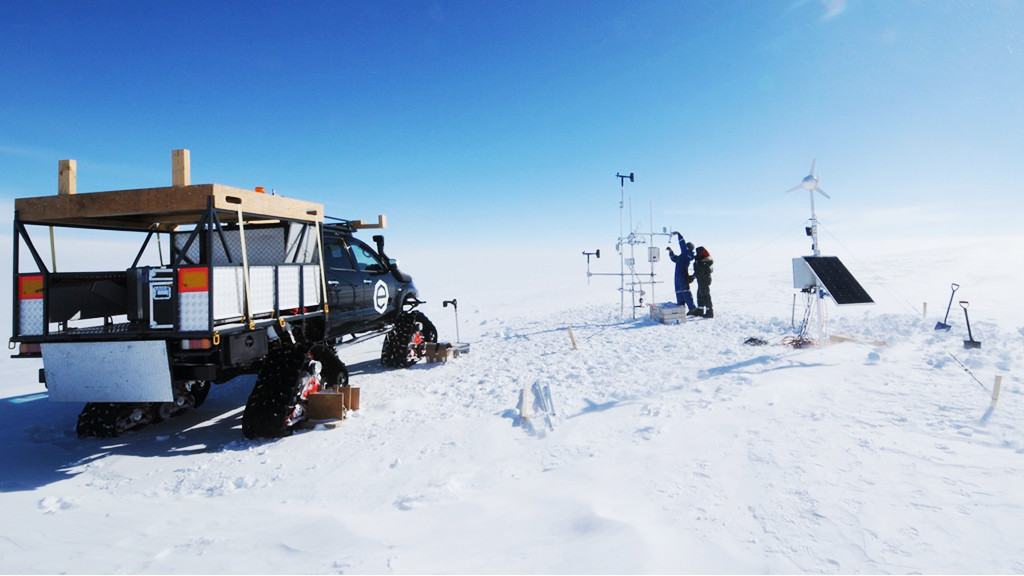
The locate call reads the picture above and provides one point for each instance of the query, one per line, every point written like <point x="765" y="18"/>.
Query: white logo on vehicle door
<point x="380" y="297"/>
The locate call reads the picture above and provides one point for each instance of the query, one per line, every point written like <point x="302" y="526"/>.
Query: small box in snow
<point x="331" y="403"/>
<point x="444" y="351"/>
<point x="668" y="313"/>
<point x="439" y="352"/>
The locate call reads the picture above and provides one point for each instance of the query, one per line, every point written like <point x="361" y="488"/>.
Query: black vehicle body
<point x="248" y="275"/>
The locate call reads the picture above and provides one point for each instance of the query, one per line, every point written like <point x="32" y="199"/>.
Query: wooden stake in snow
<point x="525" y="401"/>
<point x="995" y="389"/>
<point x="924" y="311"/>
<point x="572" y="338"/>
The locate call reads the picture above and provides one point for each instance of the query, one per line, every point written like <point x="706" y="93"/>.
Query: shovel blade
<point x="968" y="344"/>
<point x="942" y="326"/>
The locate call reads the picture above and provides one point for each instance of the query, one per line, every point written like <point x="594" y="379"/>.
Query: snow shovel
<point x="460" y="346"/>
<point x="942" y="325"/>
<point x="455" y="304"/>
<point x="972" y="343"/>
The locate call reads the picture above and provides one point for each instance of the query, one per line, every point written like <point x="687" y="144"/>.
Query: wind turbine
<point x="819" y="275"/>
<point x="810" y="183"/>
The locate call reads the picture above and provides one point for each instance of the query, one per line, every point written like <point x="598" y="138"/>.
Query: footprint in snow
<point x="53" y="504"/>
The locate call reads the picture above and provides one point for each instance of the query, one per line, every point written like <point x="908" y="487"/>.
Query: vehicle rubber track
<point x="110" y="419"/>
<point x="271" y="409"/>
<point x="333" y="371"/>
<point x="406" y="344"/>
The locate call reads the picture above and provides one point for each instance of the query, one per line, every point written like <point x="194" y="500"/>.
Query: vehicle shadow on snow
<point x="367" y="367"/>
<point x="39" y="445"/>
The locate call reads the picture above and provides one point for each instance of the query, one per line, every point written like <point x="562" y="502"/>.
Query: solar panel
<point x="837" y="280"/>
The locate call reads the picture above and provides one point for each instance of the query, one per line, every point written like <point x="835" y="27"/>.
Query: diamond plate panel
<point x="31" y="317"/>
<point x="288" y="282"/>
<point x="261" y="286"/>
<point x="194" y="310"/>
<point x="227" y="292"/>
<point x="311" y="285"/>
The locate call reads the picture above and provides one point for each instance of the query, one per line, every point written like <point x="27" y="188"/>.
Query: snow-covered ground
<point x="674" y="449"/>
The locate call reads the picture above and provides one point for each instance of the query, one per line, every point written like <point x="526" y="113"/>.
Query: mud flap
<point x="108" y="371"/>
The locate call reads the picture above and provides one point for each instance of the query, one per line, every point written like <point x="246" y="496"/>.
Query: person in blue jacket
<point x="683" y="278"/>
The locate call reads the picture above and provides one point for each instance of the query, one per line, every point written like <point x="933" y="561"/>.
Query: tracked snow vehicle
<point x="251" y="283"/>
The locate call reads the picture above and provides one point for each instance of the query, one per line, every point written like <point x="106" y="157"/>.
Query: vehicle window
<point x="366" y="259"/>
<point x="336" y="255"/>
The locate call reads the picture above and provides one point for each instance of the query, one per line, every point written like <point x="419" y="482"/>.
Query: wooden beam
<point x="148" y="206"/>
<point x="181" y="168"/>
<point x="382" y="222"/>
<point x="838" y="338"/>
<point x="67" y="177"/>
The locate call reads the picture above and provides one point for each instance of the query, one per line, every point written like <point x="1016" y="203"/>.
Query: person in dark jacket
<point x="702" y="269"/>
<point x="683" y="278"/>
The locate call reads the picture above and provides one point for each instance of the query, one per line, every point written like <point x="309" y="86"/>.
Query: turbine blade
<point x="822" y="192"/>
<point x="794" y="188"/>
<point x="813" y="160"/>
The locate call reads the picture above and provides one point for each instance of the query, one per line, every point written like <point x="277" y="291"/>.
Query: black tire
<point x="404" y="346"/>
<point x="275" y="395"/>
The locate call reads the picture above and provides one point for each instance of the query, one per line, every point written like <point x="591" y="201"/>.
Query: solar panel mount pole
<point x="819" y="291"/>
<point x="814" y="229"/>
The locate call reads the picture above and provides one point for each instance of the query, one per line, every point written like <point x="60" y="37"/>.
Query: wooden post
<point x="67" y="184"/>
<point x="995" y="390"/>
<point x="181" y="168"/>
<point x="572" y="338"/>
<point x="67" y="177"/>
<point x="924" y="311"/>
<point x="525" y="398"/>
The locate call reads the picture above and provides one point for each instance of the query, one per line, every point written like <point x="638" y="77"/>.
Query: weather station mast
<point x="627" y="264"/>
<point x="618" y="246"/>
<point x="818" y="276"/>
<point x="811" y="285"/>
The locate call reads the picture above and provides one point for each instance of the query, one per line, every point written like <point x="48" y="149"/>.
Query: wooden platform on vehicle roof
<point x="162" y="208"/>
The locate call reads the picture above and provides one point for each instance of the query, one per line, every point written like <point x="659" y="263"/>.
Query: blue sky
<point x="482" y="122"/>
